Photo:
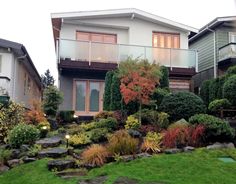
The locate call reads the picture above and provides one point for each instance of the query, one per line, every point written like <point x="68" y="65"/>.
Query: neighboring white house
<point x="19" y="78"/>
<point x="90" y="43"/>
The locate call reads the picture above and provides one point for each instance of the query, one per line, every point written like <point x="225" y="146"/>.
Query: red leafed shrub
<point x="120" y="116"/>
<point x="183" y="136"/>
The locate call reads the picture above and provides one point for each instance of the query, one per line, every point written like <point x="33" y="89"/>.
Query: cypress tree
<point x="107" y="90"/>
<point x="116" y="98"/>
<point x="164" y="80"/>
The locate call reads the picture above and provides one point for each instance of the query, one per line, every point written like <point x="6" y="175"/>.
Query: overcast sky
<point x="29" y="22"/>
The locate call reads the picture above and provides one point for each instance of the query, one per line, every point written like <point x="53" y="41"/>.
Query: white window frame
<point x="230" y="35"/>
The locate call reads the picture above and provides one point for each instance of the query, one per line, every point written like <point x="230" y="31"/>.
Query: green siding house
<point x="216" y="46"/>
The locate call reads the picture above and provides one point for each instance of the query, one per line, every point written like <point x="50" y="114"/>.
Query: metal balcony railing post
<point x="90" y="52"/>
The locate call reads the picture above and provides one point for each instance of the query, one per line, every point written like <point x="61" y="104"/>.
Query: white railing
<point x="115" y="53"/>
<point x="228" y="51"/>
<point x="4" y="85"/>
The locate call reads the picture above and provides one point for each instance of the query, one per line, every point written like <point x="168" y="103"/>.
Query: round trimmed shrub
<point x="159" y="94"/>
<point x="182" y="105"/>
<point x="217" y="104"/>
<point x="231" y="71"/>
<point x="23" y="134"/>
<point x="215" y="128"/>
<point x="229" y="89"/>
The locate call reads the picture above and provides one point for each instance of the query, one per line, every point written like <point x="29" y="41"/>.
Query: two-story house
<point x="216" y="45"/>
<point x="19" y="78"/>
<point x="89" y="43"/>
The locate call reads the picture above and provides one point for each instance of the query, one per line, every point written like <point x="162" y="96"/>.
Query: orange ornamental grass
<point x="95" y="155"/>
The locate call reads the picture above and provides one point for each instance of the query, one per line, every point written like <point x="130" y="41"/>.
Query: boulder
<point x="49" y="142"/>
<point x="188" y="149"/>
<point x="128" y="158"/>
<point x="24" y="148"/>
<point x="125" y="180"/>
<point x="15" y="153"/>
<point x="218" y="145"/>
<point x="71" y="174"/>
<point x="61" y="165"/>
<point x="143" y="155"/>
<point x="97" y="180"/>
<point x="172" y="151"/>
<point x="53" y="153"/>
<point x="28" y="159"/>
<point x="3" y="168"/>
<point x="13" y="163"/>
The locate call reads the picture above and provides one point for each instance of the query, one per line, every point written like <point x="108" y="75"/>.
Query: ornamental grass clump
<point x="121" y="143"/>
<point x="152" y="142"/>
<point x="95" y="155"/>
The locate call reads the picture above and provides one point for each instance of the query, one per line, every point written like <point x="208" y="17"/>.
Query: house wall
<point x="129" y="31"/>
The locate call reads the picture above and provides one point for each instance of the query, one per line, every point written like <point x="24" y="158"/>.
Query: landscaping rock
<point x="172" y="151"/>
<point x="53" y="124"/>
<point x="15" y="153"/>
<point x="53" y="152"/>
<point x="24" y="148"/>
<point x="61" y="165"/>
<point x="28" y="159"/>
<point x="125" y="180"/>
<point x="134" y="133"/>
<point x="71" y="174"/>
<point x="143" y="155"/>
<point x="3" y="168"/>
<point x="218" y="145"/>
<point x="49" y="142"/>
<point x="128" y="158"/>
<point x="188" y="149"/>
<point x="98" y="180"/>
<point x="13" y="163"/>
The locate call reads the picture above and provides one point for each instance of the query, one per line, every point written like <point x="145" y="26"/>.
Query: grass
<point x="199" y="167"/>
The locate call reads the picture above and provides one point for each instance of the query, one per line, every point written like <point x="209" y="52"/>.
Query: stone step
<point x="49" y="142"/>
<point x="53" y="153"/>
<point x="71" y="174"/>
<point x="61" y="165"/>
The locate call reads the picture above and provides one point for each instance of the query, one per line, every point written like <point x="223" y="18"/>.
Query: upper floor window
<point x="232" y="37"/>
<point x="166" y="40"/>
<point x="96" y="37"/>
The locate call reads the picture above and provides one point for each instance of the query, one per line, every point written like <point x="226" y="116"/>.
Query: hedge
<point x="229" y="89"/>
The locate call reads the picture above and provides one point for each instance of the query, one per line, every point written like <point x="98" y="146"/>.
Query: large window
<point x="88" y="96"/>
<point x="166" y="40"/>
<point x="96" y="37"/>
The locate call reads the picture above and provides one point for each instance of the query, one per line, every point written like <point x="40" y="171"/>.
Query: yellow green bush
<point x="132" y="123"/>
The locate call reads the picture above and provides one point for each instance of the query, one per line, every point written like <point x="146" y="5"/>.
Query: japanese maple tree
<point x="138" y="79"/>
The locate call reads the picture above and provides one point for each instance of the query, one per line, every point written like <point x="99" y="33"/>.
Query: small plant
<point x="88" y="126"/>
<point x="109" y="123"/>
<point x="5" y="155"/>
<point x="218" y="104"/>
<point x="23" y="134"/>
<point x="122" y="143"/>
<point x="216" y="129"/>
<point x="144" y="129"/>
<point x="163" y="120"/>
<point x="34" y="149"/>
<point x="152" y="142"/>
<point x="44" y="128"/>
<point x="95" y="155"/>
<point x="65" y="116"/>
<point x="35" y="115"/>
<point x="10" y="115"/>
<point x="79" y="140"/>
<point x="132" y="123"/>
<point x="103" y="115"/>
<point x="99" y="135"/>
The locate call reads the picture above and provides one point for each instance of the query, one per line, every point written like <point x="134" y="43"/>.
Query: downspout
<point x="214" y="42"/>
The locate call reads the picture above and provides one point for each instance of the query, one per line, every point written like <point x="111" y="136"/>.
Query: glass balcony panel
<point x="228" y="51"/>
<point x="183" y="58"/>
<point x="75" y="50"/>
<point x="101" y="52"/>
<point x="135" y="52"/>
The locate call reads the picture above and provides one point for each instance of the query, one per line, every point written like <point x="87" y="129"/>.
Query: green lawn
<point x="199" y="167"/>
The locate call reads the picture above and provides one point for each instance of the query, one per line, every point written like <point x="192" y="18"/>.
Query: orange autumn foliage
<point x="35" y="115"/>
<point x="139" y="82"/>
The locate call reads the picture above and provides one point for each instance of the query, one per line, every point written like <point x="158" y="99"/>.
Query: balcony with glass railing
<point x="228" y="51"/>
<point x="116" y="53"/>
